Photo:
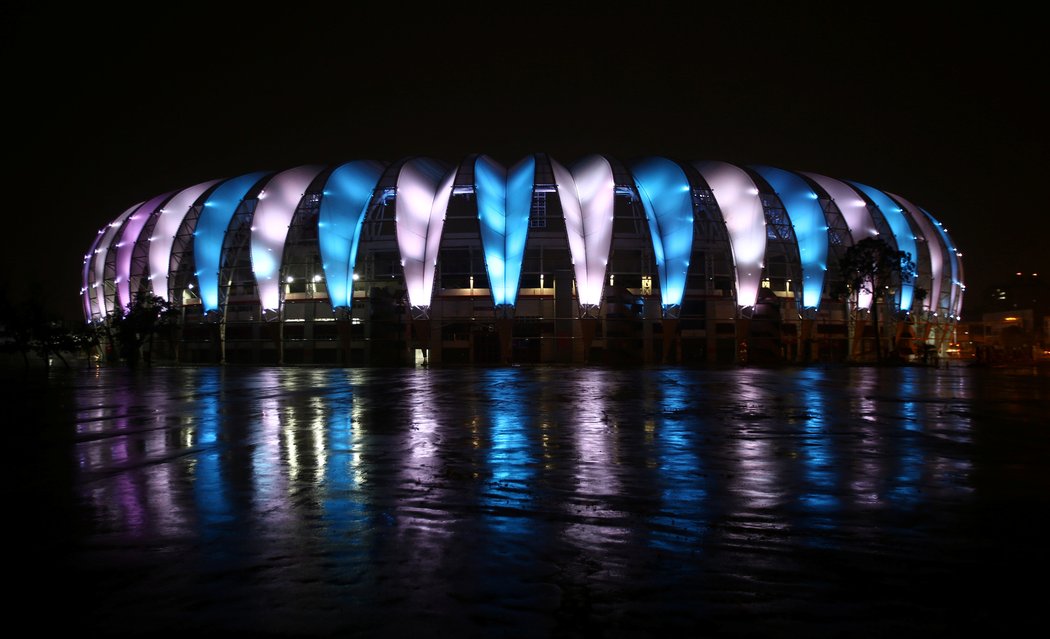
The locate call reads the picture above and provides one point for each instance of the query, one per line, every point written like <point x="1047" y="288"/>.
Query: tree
<point x="136" y="324"/>
<point x="28" y="328"/>
<point x="874" y="267"/>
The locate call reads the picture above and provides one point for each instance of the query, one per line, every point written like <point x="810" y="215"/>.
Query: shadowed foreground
<point x="564" y="502"/>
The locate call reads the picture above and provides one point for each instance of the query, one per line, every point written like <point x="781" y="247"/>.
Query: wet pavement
<point x="528" y="502"/>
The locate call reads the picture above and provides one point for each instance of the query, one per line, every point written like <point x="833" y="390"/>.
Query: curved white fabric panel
<point x="126" y="245"/>
<point x="347" y="194"/>
<point x="100" y="260"/>
<point x="86" y="278"/>
<point x="854" y="210"/>
<point x="933" y="247"/>
<point x="423" y="190"/>
<point x="737" y="197"/>
<point x="586" y="193"/>
<point x="278" y="201"/>
<point x="955" y="260"/>
<point x="168" y="221"/>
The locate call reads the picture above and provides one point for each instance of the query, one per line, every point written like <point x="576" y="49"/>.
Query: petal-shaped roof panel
<point x="810" y="226"/>
<point x="668" y="202"/>
<point x="902" y="233"/>
<point x="854" y="210"/>
<point x="504" y="203"/>
<point x="424" y="187"/>
<point x="126" y="245"/>
<point x="745" y="218"/>
<point x="277" y="204"/>
<point x="587" y="193"/>
<point x="105" y="306"/>
<point x="214" y="220"/>
<point x="347" y="194"/>
<point x="169" y="220"/>
<point x="933" y="244"/>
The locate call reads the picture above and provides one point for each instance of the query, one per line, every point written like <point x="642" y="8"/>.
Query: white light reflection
<point x="758" y="483"/>
<point x="270" y="455"/>
<point x="594" y="521"/>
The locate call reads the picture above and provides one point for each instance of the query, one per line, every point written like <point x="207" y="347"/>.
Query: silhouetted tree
<point x="137" y="323"/>
<point x="873" y="266"/>
<point x="27" y="328"/>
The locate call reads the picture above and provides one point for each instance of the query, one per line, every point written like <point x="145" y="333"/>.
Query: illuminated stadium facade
<point x="652" y="261"/>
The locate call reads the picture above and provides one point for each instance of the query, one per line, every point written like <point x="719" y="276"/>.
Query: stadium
<point x="419" y="261"/>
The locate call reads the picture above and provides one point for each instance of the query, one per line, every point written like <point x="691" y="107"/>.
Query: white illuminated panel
<point x="423" y="191"/>
<point x="100" y="260"/>
<point x="86" y="278"/>
<point x="277" y="203"/>
<point x="168" y="222"/>
<point x="855" y="211"/>
<point x="586" y="193"/>
<point x="741" y="207"/>
<point x="126" y="246"/>
<point x="934" y="248"/>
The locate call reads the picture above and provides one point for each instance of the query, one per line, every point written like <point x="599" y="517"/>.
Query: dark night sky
<point x="105" y="110"/>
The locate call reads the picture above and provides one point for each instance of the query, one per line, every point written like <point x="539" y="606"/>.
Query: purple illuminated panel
<point x="423" y="190"/>
<point x="586" y="193"/>
<point x="126" y="245"/>
<point x="99" y="267"/>
<point x="277" y="204"/>
<point x="168" y="221"/>
<point x="741" y="207"/>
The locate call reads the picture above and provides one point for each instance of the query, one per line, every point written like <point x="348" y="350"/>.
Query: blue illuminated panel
<point x="211" y="228"/>
<point x="902" y="232"/>
<point x="668" y="203"/>
<point x="503" y="208"/>
<point x="347" y="194"/>
<point x="934" y="251"/>
<point x="810" y="226"/>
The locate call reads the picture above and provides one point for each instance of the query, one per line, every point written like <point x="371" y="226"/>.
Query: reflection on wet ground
<point x="565" y="502"/>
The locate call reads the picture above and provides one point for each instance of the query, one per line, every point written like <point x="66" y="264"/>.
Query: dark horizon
<point x="938" y="108"/>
